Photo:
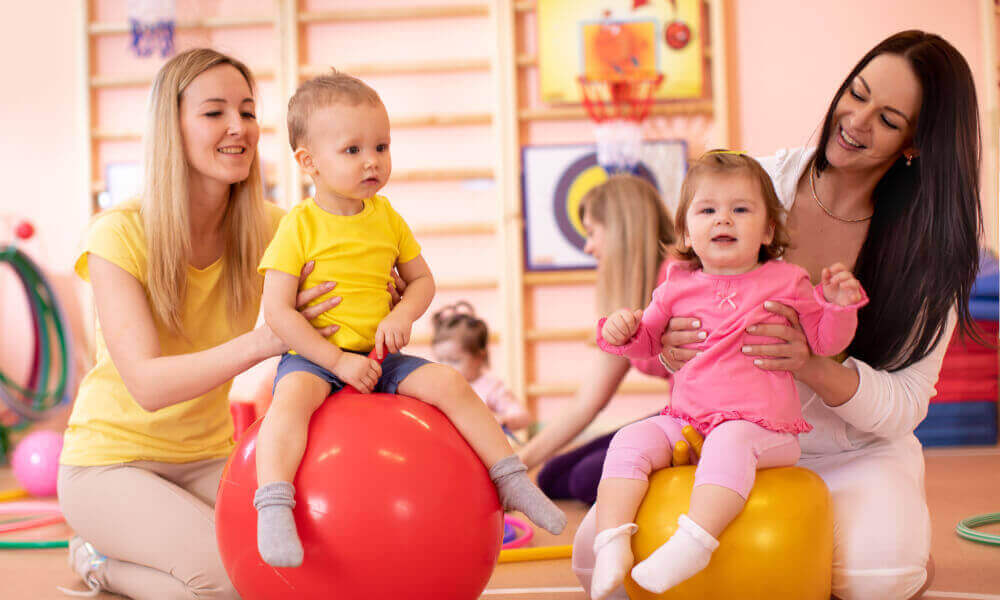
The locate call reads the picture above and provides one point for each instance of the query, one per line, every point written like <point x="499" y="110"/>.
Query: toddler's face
<point x="727" y="224"/>
<point x="451" y="353"/>
<point x="349" y="145"/>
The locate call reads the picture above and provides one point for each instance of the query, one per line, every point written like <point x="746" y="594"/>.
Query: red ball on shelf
<point x="24" y="230"/>
<point x="677" y="35"/>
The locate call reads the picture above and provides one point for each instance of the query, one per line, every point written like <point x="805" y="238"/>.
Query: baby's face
<point x="727" y="224"/>
<point x="349" y="144"/>
<point x="451" y="353"/>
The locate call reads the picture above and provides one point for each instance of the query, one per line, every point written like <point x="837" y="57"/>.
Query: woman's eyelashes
<point x="883" y="118"/>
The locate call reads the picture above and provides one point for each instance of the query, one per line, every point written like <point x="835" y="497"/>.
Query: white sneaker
<point x="84" y="559"/>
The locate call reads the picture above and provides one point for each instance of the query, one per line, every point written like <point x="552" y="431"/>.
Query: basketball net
<point x="152" y="25"/>
<point x="618" y="109"/>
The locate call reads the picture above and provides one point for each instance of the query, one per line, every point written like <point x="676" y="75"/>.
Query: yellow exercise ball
<point x="779" y="548"/>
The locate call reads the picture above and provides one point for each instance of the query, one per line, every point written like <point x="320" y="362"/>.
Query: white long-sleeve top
<point x="887" y="405"/>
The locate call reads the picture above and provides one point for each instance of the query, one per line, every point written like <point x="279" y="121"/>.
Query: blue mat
<point x="959" y="424"/>
<point x="984" y="309"/>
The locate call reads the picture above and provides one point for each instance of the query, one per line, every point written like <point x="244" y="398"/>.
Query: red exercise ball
<point x="391" y="502"/>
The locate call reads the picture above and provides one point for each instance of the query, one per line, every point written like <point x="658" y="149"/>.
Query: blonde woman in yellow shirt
<point x="177" y="294"/>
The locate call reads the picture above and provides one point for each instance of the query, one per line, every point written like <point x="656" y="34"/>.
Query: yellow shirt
<point x="107" y="425"/>
<point x="357" y="251"/>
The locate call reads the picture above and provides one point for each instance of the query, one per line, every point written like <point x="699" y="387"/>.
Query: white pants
<point x="881" y="525"/>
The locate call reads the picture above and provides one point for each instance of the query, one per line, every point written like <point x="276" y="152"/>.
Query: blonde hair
<point x="165" y="203"/>
<point x="637" y="233"/>
<point x="728" y="163"/>
<point x="319" y="92"/>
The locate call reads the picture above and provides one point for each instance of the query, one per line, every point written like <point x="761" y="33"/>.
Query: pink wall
<point x="785" y="71"/>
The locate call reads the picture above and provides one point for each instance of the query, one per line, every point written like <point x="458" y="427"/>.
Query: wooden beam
<point x="560" y="335"/>
<point x="560" y="277"/>
<point x="457" y="173"/>
<point x="566" y="113"/>
<point x="441" y="120"/>
<point x="453" y="65"/>
<point x="206" y="23"/>
<point x="125" y="81"/>
<point x="467" y="283"/>
<point x="452" y="229"/>
<point x="385" y="13"/>
<point x="569" y="388"/>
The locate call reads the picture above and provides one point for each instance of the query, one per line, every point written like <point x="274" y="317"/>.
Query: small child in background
<point x="460" y="340"/>
<point x="730" y="230"/>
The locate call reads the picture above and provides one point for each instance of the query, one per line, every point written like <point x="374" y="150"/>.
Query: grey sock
<point x="277" y="540"/>
<point x="518" y="492"/>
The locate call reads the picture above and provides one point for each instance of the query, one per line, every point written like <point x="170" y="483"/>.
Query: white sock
<point x="680" y="558"/>
<point x="612" y="559"/>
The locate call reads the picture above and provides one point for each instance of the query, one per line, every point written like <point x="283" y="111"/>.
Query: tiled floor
<point x="960" y="483"/>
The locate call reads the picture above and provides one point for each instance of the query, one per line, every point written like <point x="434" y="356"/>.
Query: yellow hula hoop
<point x="539" y="553"/>
<point x="14" y="494"/>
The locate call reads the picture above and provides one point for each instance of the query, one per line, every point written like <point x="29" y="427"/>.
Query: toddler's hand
<point x="621" y="326"/>
<point x="393" y="334"/>
<point x="359" y="371"/>
<point x="839" y="285"/>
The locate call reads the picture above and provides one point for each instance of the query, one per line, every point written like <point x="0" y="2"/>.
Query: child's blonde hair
<point x="165" y="210"/>
<point x="728" y="163"/>
<point x="459" y="322"/>
<point x="322" y="91"/>
<point x="637" y="233"/>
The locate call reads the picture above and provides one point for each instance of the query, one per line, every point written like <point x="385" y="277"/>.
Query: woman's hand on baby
<point x="840" y="286"/>
<point x="621" y="326"/>
<point x="358" y="371"/>
<point x="680" y="331"/>
<point x="306" y="296"/>
<point x="791" y="353"/>
<point x="393" y="334"/>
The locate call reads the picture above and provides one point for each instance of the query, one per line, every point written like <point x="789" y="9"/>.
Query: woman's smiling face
<point x="876" y="116"/>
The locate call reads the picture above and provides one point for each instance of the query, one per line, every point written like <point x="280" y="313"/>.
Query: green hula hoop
<point x="26" y="545"/>
<point x="965" y="529"/>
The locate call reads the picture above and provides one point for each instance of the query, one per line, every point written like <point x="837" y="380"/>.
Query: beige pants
<point x="156" y="524"/>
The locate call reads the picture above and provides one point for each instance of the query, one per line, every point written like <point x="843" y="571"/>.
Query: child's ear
<point x="769" y="234"/>
<point x="305" y="160"/>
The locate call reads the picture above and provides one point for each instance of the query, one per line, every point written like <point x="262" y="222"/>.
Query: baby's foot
<point x="277" y="539"/>
<point x="518" y="492"/>
<point x="686" y="553"/>
<point x="613" y="559"/>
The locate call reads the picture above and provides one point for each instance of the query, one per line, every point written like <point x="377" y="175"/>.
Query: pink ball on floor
<point x="35" y="462"/>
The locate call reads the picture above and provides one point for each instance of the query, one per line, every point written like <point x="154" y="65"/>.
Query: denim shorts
<point x="395" y="368"/>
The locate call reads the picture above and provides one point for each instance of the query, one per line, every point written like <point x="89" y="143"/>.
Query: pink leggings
<point x="730" y="457"/>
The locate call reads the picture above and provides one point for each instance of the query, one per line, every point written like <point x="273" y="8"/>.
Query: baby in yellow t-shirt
<point x="339" y="132"/>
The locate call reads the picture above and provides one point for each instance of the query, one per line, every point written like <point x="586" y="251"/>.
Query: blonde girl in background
<point x="460" y="341"/>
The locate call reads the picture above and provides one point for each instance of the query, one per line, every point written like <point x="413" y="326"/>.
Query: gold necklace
<point x="812" y="185"/>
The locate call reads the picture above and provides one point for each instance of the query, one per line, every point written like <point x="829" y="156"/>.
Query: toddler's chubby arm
<point x="636" y="333"/>
<point x="621" y="326"/>
<point x="393" y="332"/>
<point x="840" y="287"/>
<point x="280" y="291"/>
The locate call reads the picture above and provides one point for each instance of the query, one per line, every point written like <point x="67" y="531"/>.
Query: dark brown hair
<point x="921" y="255"/>
<point x="727" y="163"/>
<point x="459" y="322"/>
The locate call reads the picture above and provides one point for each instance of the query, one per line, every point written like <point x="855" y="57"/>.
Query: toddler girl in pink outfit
<point x="730" y="231"/>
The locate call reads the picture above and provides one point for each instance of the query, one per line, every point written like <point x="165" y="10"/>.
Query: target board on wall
<point x="555" y="180"/>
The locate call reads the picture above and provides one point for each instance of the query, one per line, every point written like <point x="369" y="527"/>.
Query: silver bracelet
<point x="664" y="363"/>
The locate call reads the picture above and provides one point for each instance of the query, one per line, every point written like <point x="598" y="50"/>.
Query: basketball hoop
<point x="152" y="25"/>
<point x="618" y="107"/>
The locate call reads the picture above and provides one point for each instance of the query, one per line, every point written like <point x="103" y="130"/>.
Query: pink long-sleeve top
<point x="721" y="383"/>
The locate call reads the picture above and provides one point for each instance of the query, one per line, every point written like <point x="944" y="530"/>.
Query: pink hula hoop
<point x="524" y="528"/>
<point x="48" y="509"/>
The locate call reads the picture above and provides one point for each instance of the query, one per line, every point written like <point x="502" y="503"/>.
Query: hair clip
<point x="724" y="151"/>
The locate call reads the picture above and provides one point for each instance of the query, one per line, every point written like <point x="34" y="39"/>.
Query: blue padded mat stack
<point x="964" y="412"/>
